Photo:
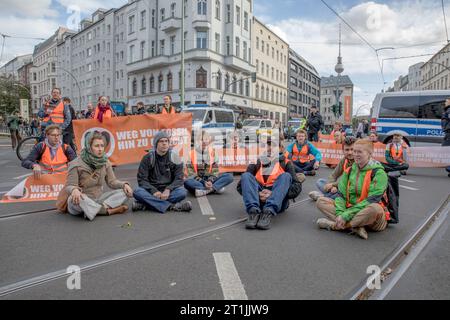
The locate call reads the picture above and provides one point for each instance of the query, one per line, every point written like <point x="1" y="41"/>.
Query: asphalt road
<point x="293" y="260"/>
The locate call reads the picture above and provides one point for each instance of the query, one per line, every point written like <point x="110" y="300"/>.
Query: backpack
<point x="390" y="198"/>
<point x="172" y="155"/>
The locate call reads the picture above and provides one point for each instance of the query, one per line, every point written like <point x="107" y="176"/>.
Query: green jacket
<point x="13" y="122"/>
<point x="377" y="188"/>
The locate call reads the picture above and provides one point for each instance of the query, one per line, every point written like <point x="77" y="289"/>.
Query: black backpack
<point x="391" y="197"/>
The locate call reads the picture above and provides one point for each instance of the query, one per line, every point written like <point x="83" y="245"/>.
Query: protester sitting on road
<point x="203" y="170"/>
<point x="397" y="154"/>
<point x="329" y="188"/>
<point x="360" y="191"/>
<point x="55" y="112"/>
<point x="160" y="179"/>
<point x="51" y="155"/>
<point x="103" y="110"/>
<point x="299" y="153"/>
<point x="85" y="182"/>
<point x="267" y="186"/>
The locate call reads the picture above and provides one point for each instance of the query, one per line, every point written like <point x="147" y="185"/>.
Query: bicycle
<point x="25" y="146"/>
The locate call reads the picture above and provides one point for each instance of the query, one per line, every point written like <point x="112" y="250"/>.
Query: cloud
<point x="89" y="6"/>
<point x="31" y="9"/>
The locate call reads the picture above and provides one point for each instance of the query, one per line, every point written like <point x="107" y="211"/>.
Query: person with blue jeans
<point x="329" y="188"/>
<point x="299" y="153"/>
<point x="203" y="170"/>
<point x="267" y="187"/>
<point x="160" y="180"/>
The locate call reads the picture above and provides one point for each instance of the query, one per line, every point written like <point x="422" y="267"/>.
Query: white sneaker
<point x="314" y="195"/>
<point x="325" y="224"/>
<point x="221" y="191"/>
<point x="90" y="216"/>
<point x="201" y="193"/>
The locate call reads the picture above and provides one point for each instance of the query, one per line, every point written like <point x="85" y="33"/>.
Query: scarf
<point x="52" y="149"/>
<point x="101" y="110"/>
<point x="89" y="157"/>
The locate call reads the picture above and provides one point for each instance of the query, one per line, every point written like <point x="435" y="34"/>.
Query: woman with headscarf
<point x="103" y="110"/>
<point x="85" y="182"/>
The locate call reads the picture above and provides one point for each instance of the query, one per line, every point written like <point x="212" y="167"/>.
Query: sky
<point x="407" y="27"/>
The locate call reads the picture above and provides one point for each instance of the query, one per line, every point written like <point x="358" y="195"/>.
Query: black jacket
<point x="314" y="122"/>
<point x="296" y="186"/>
<point x="36" y="154"/>
<point x="158" y="173"/>
<point x="446" y="121"/>
<point x="69" y="129"/>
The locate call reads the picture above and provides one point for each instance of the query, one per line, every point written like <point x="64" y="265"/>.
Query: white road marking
<point x="205" y="206"/>
<point x="24" y="176"/>
<point x="410" y="181"/>
<point x="409" y="188"/>
<point x="230" y="282"/>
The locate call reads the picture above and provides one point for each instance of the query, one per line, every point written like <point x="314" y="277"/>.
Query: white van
<point x="415" y="114"/>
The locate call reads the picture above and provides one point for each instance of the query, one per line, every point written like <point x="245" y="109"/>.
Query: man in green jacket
<point x="13" y="124"/>
<point x="361" y="189"/>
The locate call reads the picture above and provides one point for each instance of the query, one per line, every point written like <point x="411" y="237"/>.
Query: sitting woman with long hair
<point x="85" y="182"/>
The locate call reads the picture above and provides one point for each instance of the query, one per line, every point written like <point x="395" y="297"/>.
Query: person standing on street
<point x="68" y="134"/>
<point x="314" y="124"/>
<point x="168" y="108"/>
<point x="55" y="112"/>
<point x="140" y="109"/>
<point x="14" y="125"/>
<point x="360" y="130"/>
<point x="103" y="110"/>
<point x="89" y="113"/>
<point x="446" y="127"/>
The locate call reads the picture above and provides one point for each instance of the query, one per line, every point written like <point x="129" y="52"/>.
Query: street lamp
<point x="76" y="82"/>
<point x="381" y="64"/>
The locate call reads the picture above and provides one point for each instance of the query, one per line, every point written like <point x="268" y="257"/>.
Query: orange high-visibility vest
<point x="302" y="156"/>
<point x="276" y="172"/>
<point x="106" y="115"/>
<point x="58" y="163"/>
<point x="194" y="160"/>
<point x="56" y="115"/>
<point x="172" y="110"/>
<point x="365" y="192"/>
<point x="397" y="154"/>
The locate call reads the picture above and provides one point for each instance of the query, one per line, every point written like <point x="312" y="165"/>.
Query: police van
<point x="219" y="122"/>
<point x="415" y="114"/>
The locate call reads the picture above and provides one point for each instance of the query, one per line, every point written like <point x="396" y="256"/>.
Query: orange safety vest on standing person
<point x="56" y="165"/>
<point x="106" y="115"/>
<point x="172" y="110"/>
<point x="302" y="156"/>
<point x="276" y="172"/>
<point x="56" y="115"/>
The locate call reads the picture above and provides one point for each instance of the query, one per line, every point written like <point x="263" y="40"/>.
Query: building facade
<point x="329" y="89"/>
<point x="43" y="73"/>
<point x="415" y="77"/>
<point x="436" y="71"/>
<point x="11" y="68"/>
<point x="304" y="86"/>
<point x="93" y="61"/>
<point x="24" y="74"/>
<point x="271" y="55"/>
<point x="217" y="51"/>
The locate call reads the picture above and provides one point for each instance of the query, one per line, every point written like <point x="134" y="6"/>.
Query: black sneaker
<point x="265" y="220"/>
<point x="253" y="218"/>
<point x="185" y="206"/>
<point x="137" y="206"/>
<point x="310" y="173"/>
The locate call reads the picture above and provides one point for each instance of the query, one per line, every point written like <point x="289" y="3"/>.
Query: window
<point x="425" y="107"/>
<point x="131" y="53"/>
<point x="228" y="46"/>
<point x="152" y="84"/>
<point x="201" y="7"/>
<point x="144" y="86"/>
<point x="202" y="39"/>
<point x="238" y="15"/>
<point x="267" y="47"/>
<point x="134" y="87"/>
<point x="217" y="38"/>
<point x="160" y="83"/>
<point x="262" y="67"/>
<point x="238" y="47"/>
<point x="161" y="45"/>
<point x="257" y="65"/>
<point x="153" y="18"/>
<point x="241" y="86"/>
<point x="89" y="67"/>
<point x="143" y="19"/>
<point x="234" y="85"/>
<point x="262" y="45"/>
<point x="172" y="45"/>
<point x="89" y="36"/>
<point x="218" y="9"/>
<point x="169" y="82"/>
<point x="185" y="8"/>
<point x="227" y="82"/>
<point x="224" y="116"/>
<point x="257" y="43"/>
<point x="172" y="9"/>
<point x="130" y="24"/>
<point x="244" y="49"/>
<point x="246" y="21"/>
<point x="162" y="13"/>
<point x="153" y="48"/>
<point x="219" y="80"/>
<point x="228" y="13"/>
<point x="201" y="78"/>
<point x="89" y="52"/>
<point x="257" y="91"/>
<point x="142" y="50"/>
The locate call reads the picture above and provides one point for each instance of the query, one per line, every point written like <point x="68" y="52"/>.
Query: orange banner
<point x="128" y="138"/>
<point x="348" y="110"/>
<point x="237" y="159"/>
<point x="46" y="188"/>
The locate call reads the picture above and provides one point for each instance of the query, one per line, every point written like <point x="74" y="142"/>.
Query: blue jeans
<point x="303" y="167"/>
<point x="278" y="202"/>
<point x="222" y="181"/>
<point x="153" y="203"/>
<point x="321" y="186"/>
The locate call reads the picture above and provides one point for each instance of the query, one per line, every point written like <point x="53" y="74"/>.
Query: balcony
<point x="201" y="24"/>
<point x="239" y="64"/>
<point x="171" y="24"/>
<point x="149" y="63"/>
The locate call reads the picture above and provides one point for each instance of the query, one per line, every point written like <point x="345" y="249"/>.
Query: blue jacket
<point x="311" y="150"/>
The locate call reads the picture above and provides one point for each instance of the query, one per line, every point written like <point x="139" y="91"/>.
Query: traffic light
<point x="340" y="109"/>
<point x="334" y="108"/>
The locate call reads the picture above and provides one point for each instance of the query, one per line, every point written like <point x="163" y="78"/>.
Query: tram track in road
<point x="397" y="264"/>
<point x="26" y="213"/>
